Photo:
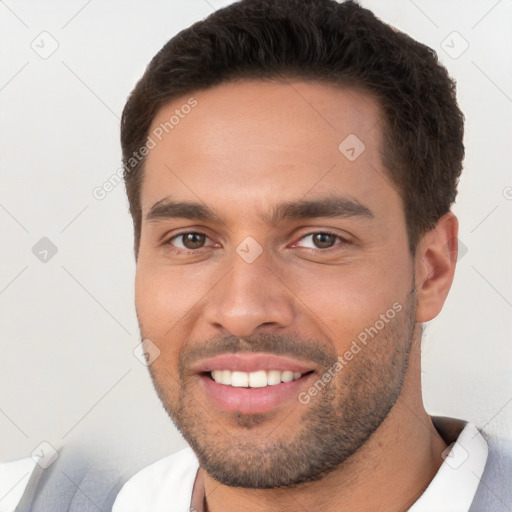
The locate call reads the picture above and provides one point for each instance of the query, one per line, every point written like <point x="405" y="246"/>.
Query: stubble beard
<point x="335" y="423"/>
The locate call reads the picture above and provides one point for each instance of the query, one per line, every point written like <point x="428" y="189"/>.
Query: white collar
<point x="171" y="480"/>
<point x="14" y="481"/>
<point x="454" y="485"/>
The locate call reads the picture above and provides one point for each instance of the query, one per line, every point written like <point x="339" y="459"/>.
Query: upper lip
<point x="249" y="362"/>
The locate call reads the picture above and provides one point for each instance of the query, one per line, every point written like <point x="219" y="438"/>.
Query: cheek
<point x="155" y="316"/>
<point x="346" y="300"/>
<point x="165" y="302"/>
<point x="159" y="296"/>
<point x="147" y="293"/>
<point x="158" y="305"/>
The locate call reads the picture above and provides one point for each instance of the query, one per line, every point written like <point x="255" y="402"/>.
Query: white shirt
<point x="167" y="485"/>
<point x="14" y="480"/>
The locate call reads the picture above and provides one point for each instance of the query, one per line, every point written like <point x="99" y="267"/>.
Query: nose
<point x="250" y="296"/>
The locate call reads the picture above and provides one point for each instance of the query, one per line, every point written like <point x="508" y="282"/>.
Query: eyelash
<point x="312" y="251"/>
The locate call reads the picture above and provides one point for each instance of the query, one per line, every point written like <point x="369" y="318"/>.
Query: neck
<point x="388" y="473"/>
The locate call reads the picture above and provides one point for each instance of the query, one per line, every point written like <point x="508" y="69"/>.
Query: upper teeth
<point x="258" y="379"/>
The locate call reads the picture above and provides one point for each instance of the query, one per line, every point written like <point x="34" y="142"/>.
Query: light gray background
<point x="68" y="374"/>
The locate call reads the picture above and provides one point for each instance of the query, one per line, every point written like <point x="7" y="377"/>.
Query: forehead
<point x="263" y="141"/>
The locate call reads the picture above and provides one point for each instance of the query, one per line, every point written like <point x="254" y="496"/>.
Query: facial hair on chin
<point x="334" y="425"/>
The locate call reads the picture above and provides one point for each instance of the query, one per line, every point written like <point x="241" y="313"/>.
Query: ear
<point x="435" y="260"/>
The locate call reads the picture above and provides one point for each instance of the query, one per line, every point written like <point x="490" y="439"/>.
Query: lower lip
<point x="252" y="400"/>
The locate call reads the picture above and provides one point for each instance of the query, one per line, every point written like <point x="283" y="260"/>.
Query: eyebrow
<point x="326" y="207"/>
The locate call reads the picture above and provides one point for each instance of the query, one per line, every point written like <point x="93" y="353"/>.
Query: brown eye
<point x="187" y="241"/>
<point x="192" y="240"/>
<point x="320" y="243"/>
<point x="324" y="240"/>
<point x="319" y="240"/>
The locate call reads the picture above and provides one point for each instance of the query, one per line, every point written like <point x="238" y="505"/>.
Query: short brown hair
<point x="317" y="40"/>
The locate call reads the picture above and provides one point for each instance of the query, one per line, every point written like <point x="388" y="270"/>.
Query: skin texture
<point x="364" y="442"/>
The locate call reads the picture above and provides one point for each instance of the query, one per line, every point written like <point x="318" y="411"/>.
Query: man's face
<point x="243" y="300"/>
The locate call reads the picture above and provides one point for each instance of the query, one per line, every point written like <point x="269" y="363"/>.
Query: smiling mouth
<point x="257" y="379"/>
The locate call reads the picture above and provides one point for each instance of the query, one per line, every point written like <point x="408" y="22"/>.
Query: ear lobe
<point x="436" y="258"/>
